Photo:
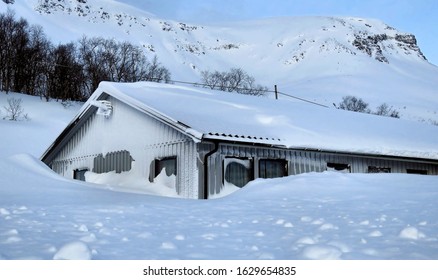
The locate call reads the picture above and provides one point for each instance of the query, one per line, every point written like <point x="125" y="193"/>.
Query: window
<point x="340" y="167"/>
<point x="79" y="174"/>
<point x="272" y="168"/>
<point x="119" y="161"/>
<point x="238" y="171"/>
<point x="416" y="171"/>
<point x="163" y="171"/>
<point x="376" y="169"/>
<point x="168" y="164"/>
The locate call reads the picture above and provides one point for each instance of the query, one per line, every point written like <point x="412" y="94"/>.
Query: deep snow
<point x="311" y="216"/>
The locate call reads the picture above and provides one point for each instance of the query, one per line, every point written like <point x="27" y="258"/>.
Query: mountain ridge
<point x="319" y="58"/>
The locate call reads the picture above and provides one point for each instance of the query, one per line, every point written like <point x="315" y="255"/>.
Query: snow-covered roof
<point x="206" y="114"/>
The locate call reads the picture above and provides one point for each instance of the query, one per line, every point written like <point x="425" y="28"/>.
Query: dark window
<point x="119" y="161"/>
<point x="238" y="171"/>
<point x="272" y="168"/>
<point x="79" y="174"/>
<point x="341" y="167"/>
<point x="376" y="169"/>
<point x="416" y="171"/>
<point x="168" y="164"/>
<point x="164" y="166"/>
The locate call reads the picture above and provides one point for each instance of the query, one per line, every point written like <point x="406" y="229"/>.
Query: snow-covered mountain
<point x="317" y="58"/>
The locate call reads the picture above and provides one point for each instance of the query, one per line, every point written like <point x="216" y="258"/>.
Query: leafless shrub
<point x="235" y="80"/>
<point x="14" y="110"/>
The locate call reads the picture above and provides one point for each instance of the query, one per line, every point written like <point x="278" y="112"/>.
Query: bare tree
<point x="385" y="110"/>
<point x="352" y="103"/>
<point x="65" y="74"/>
<point x="36" y="67"/>
<point x="92" y="59"/>
<point x="154" y="71"/>
<point x="210" y="80"/>
<point x="14" y="110"/>
<point x="29" y="63"/>
<point x="235" y="80"/>
<point x="109" y="60"/>
<point x="23" y="54"/>
<point x="8" y="32"/>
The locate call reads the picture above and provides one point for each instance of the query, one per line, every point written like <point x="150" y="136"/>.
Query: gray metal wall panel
<point x="307" y="161"/>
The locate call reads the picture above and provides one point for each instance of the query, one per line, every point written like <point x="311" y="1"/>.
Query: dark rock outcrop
<point x="374" y="45"/>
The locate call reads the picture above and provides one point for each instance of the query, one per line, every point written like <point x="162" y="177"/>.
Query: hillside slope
<point x="318" y="58"/>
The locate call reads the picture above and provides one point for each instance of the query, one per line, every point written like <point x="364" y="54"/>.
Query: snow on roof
<point x="207" y="114"/>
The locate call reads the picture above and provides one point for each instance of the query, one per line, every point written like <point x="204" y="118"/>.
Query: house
<point x="202" y="141"/>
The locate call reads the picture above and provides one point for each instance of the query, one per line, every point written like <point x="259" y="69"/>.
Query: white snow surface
<point x="237" y="117"/>
<point x="310" y="216"/>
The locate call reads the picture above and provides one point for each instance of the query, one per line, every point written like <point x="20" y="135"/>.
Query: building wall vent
<point x="104" y="107"/>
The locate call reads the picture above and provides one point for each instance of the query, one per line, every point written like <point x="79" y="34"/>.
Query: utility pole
<point x="276" y="92"/>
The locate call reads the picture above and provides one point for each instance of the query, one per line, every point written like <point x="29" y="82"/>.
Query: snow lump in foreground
<point x="73" y="251"/>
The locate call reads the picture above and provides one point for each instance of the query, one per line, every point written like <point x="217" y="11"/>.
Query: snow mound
<point x="131" y="181"/>
<point x="4" y="212"/>
<point x="73" y="251"/>
<point x="411" y="233"/>
<point x="321" y="252"/>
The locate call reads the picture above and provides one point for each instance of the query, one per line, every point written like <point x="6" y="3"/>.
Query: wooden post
<point x="276" y="92"/>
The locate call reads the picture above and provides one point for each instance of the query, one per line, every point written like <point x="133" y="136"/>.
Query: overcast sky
<point x="419" y="17"/>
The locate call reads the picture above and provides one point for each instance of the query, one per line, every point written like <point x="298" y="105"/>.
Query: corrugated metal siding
<point x="185" y="151"/>
<point x="103" y="144"/>
<point x="305" y="161"/>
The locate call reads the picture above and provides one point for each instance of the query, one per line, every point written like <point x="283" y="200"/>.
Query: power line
<point x="246" y="89"/>
<point x="304" y="100"/>
<point x="228" y="87"/>
<point x="220" y="87"/>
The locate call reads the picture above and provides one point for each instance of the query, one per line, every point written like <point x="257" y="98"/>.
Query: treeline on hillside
<point x="352" y="103"/>
<point x="236" y="79"/>
<point x="31" y="64"/>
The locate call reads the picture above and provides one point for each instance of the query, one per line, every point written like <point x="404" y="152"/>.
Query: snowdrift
<point x="310" y="216"/>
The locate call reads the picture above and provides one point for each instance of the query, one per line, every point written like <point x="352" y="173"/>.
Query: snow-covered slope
<point x="310" y="216"/>
<point x="318" y="58"/>
<point x="45" y="120"/>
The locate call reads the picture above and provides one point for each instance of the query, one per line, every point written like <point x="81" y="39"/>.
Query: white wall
<point x="143" y="136"/>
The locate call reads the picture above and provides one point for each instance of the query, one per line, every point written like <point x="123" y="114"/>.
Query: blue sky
<point x="419" y="17"/>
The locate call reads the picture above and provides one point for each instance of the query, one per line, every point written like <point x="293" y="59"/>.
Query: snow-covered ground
<point x="310" y="216"/>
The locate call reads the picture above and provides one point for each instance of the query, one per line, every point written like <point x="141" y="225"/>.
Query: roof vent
<point x="104" y="107"/>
